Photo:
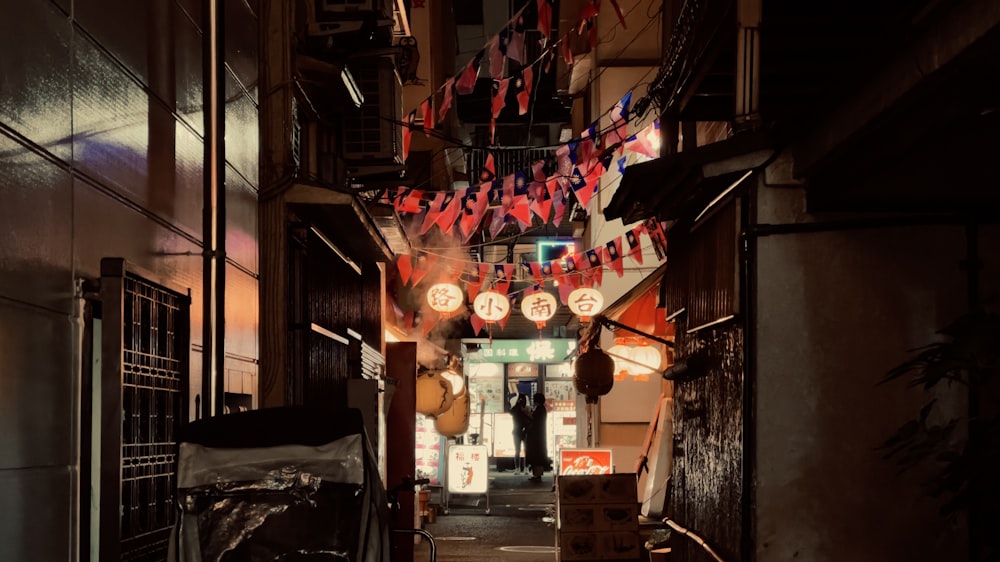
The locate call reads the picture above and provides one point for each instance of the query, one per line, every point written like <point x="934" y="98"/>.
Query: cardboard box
<point x="618" y="488"/>
<point x="578" y="517"/>
<point x="576" y="489"/>
<point x="603" y="488"/>
<point x="578" y="546"/>
<point x="618" y="546"/>
<point x="618" y="517"/>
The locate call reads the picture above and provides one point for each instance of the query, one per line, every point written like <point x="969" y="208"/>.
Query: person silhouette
<point x="521" y="416"/>
<point x="535" y="450"/>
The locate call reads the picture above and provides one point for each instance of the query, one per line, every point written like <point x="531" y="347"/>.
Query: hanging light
<point x="434" y="394"/>
<point x="491" y="306"/>
<point x="585" y="302"/>
<point x="539" y="307"/>
<point x="445" y="298"/>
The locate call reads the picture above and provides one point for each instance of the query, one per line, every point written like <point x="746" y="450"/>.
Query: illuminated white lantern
<point x="585" y="302"/>
<point x="445" y="298"/>
<point x="491" y="306"/>
<point x="539" y="308"/>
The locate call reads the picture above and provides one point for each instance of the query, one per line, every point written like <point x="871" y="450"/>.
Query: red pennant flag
<point x="545" y="17"/>
<point x="503" y="321"/>
<point x="489" y="171"/>
<point x="635" y="243"/>
<point x="558" y="207"/>
<point x="407" y="132"/>
<point x="499" y="97"/>
<point x="420" y="269"/>
<point x="542" y="207"/>
<point x="521" y="210"/>
<point x="524" y="90"/>
<point x="412" y="202"/>
<point x="536" y="272"/>
<point x="618" y="10"/>
<point x="404" y="267"/>
<point x="614" y="253"/>
<point x="467" y="82"/>
<point x="427" y="109"/>
<point x="447" y="219"/>
<point x="408" y="320"/>
<point x="567" y="53"/>
<point x="427" y="321"/>
<point x="502" y="273"/>
<point x="496" y="58"/>
<point x="436" y="208"/>
<point x="446" y="100"/>
<point x="619" y="122"/>
<point x="565" y="288"/>
<point x="477" y="322"/>
<point x="646" y="141"/>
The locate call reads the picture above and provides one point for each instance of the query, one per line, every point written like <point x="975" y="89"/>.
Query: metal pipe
<point x="213" y="211"/>
<point x="609" y="322"/>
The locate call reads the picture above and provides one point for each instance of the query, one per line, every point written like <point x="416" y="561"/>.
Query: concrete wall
<point x="101" y="156"/>
<point x="834" y="311"/>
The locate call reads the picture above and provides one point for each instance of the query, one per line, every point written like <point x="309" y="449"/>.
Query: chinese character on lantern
<point x="445" y="297"/>
<point x="539" y="308"/>
<point x="585" y="302"/>
<point x="491" y="306"/>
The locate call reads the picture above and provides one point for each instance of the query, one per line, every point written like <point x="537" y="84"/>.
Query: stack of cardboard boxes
<point x="598" y="517"/>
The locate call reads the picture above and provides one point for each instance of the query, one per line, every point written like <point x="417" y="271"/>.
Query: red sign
<point x="585" y="461"/>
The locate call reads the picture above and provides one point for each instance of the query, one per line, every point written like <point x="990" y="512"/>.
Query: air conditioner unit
<point x="329" y="17"/>
<point x="373" y="135"/>
<point x="320" y="162"/>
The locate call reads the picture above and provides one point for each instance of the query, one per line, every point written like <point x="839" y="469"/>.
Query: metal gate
<point x="144" y="384"/>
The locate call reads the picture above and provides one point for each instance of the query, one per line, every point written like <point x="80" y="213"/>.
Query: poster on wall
<point x="427" y="450"/>
<point x="486" y="387"/>
<point x="585" y="461"/>
<point x="468" y="469"/>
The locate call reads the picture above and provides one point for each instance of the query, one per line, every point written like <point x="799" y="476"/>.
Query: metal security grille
<point x="154" y="379"/>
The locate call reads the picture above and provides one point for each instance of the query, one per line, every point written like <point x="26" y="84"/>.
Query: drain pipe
<point x="213" y="212"/>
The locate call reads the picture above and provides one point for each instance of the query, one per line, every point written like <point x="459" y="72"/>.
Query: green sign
<point x="522" y="351"/>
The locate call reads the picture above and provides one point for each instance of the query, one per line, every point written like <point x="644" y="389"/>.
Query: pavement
<point x="519" y="527"/>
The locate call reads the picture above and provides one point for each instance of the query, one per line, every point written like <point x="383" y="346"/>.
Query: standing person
<point x="535" y="450"/>
<point x="521" y="415"/>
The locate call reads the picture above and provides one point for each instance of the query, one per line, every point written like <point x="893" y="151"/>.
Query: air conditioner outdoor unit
<point x="329" y="17"/>
<point x="373" y="135"/>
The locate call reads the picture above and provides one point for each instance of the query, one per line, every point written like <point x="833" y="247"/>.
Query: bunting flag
<point x="489" y="171"/>
<point x="496" y="58"/>
<point x="474" y="211"/>
<point x="427" y="109"/>
<point x="621" y="164"/>
<point x="411" y="201"/>
<point x="511" y="41"/>
<point x="502" y="276"/>
<point x="545" y="17"/>
<point x="449" y="217"/>
<point x="522" y="86"/>
<point x="497" y="223"/>
<point x="407" y="132"/>
<point x="500" y="95"/>
<point x="404" y="268"/>
<point x="477" y="323"/>
<point x="594" y="259"/>
<point x="658" y="236"/>
<point x="615" y="255"/>
<point x="420" y="269"/>
<point x="521" y="208"/>
<point x="541" y="201"/>
<point x="449" y="86"/>
<point x="467" y="82"/>
<point x="437" y="206"/>
<point x="634" y="245"/>
<point x="619" y="122"/>
<point x="618" y="10"/>
<point x="647" y="141"/>
<point x="473" y="287"/>
<point x="536" y="272"/>
<point x="558" y="206"/>
<point x="567" y="53"/>
<point x="587" y="147"/>
<point x="427" y="321"/>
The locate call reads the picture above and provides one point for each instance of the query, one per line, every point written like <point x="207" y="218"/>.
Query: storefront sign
<point x="521" y="351"/>
<point x="468" y="469"/>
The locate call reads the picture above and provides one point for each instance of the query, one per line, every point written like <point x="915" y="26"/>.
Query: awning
<point x="637" y="308"/>
<point x="682" y="185"/>
<point x="348" y="222"/>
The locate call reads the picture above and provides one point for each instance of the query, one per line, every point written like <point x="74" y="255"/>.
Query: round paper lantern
<point x="585" y="302"/>
<point x="645" y="360"/>
<point x="455" y="421"/>
<point x="594" y="374"/>
<point x="621" y="355"/>
<point x="434" y="393"/>
<point x="491" y="306"/>
<point x="539" y="308"/>
<point x="445" y="297"/>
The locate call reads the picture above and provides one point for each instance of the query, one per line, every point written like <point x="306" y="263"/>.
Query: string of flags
<point x="508" y="45"/>
<point x="570" y="273"/>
